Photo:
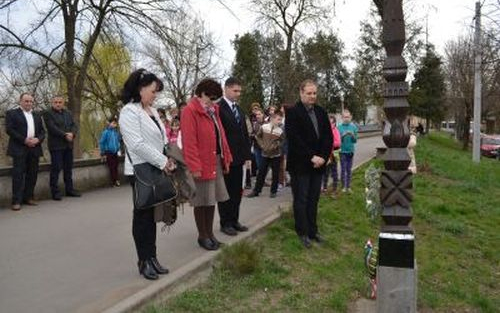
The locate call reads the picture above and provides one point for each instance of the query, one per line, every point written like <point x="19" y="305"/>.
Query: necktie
<point x="236" y="113"/>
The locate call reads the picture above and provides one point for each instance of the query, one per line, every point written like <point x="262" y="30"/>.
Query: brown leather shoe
<point x="30" y="202"/>
<point x="16" y="207"/>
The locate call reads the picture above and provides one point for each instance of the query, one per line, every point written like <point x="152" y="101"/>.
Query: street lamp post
<point x="396" y="272"/>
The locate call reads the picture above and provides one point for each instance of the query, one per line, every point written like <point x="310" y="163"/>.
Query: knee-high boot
<point x="199" y="218"/>
<point x="209" y="224"/>
<point x="203" y="232"/>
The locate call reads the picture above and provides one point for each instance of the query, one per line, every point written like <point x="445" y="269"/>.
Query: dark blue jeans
<point x="61" y="160"/>
<point x="346" y="169"/>
<point x="274" y="163"/>
<point x="258" y="156"/>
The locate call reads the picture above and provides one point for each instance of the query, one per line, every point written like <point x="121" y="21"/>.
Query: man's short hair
<point x="58" y="96"/>
<point x="26" y="93"/>
<point x="307" y="82"/>
<point x="231" y="81"/>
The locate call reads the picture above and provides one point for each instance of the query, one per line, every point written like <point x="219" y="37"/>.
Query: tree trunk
<point x="287" y="74"/>
<point x="71" y="70"/>
<point x="466" y="129"/>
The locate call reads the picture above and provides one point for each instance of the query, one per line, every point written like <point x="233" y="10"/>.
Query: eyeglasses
<point x="214" y="99"/>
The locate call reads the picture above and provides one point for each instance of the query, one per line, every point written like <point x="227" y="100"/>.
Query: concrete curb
<point x="191" y="269"/>
<point x="197" y="266"/>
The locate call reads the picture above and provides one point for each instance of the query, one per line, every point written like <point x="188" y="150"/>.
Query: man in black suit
<point x="234" y="123"/>
<point x="61" y="130"/>
<point x="26" y="134"/>
<point x="310" y="143"/>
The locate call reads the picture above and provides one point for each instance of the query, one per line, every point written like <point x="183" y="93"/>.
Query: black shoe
<point x="253" y="194"/>
<point x="216" y="242"/>
<point x="318" y="238"/>
<point x="56" y="197"/>
<point x="240" y="227"/>
<point x="207" y="244"/>
<point x="147" y="270"/>
<point x="157" y="266"/>
<point x="228" y="230"/>
<point x="272" y="195"/>
<point x="306" y="242"/>
<point x="248" y="186"/>
<point x="73" y="193"/>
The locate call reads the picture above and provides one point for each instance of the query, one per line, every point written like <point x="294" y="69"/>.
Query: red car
<point x="490" y="146"/>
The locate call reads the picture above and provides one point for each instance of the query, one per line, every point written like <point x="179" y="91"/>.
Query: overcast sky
<point x="446" y="20"/>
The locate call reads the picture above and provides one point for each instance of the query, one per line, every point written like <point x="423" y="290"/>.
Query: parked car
<point x="490" y="146"/>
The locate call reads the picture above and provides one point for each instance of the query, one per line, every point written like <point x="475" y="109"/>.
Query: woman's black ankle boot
<point x="158" y="267"/>
<point x="147" y="270"/>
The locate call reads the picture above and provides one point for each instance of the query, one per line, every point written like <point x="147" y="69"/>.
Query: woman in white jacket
<point x="144" y="137"/>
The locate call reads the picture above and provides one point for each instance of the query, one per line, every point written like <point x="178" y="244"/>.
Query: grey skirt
<point x="209" y="192"/>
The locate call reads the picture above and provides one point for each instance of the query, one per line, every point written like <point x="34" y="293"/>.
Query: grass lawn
<point x="456" y="219"/>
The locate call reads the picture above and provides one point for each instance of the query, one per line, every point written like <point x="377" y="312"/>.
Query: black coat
<point x="236" y="134"/>
<point x="17" y="128"/>
<point x="303" y="143"/>
<point x="59" y="123"/>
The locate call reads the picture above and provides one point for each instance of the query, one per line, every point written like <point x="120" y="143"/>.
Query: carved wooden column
<point x="396" y="275"/>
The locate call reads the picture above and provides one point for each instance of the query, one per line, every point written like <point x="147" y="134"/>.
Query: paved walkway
<point x="77" y="255"/>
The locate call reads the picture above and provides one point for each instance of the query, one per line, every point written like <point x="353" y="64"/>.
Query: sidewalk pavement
<point x="77" y="255"/>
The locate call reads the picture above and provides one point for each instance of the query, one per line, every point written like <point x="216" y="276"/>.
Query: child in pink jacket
<point x="331" y="166"/>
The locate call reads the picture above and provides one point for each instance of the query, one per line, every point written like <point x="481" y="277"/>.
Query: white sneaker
<point x="349" y="190"/>
<point x="344" y="190"/>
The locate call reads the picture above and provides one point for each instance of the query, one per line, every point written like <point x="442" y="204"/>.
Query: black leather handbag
<point x="152" y="186"/>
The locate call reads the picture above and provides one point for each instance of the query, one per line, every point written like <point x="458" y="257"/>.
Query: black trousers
<point x="229" y="211"/>
<point x="262" y="173"/>
<point x="61" y="160"/>
<point x="306" y="189"/>
<point x="24" y="175"/>
<point x="112" y="161"/>
<point x="143" y="230"/>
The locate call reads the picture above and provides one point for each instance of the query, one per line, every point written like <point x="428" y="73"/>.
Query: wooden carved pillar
<point x="396" y="239"/>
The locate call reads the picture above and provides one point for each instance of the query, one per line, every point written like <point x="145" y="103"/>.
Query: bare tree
<point x="184" y="57"/>
<point x="287" y="16"/>
<point x="84" y="21"/>
<point x="459" y="55"/>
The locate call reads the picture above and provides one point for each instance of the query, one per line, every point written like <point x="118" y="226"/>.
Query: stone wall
<point x="87" y="175"/>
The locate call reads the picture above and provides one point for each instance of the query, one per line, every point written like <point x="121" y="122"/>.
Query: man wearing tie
<point x="309" y="146"/>
<point x="233" y="120"/>
<point x="26" y="134"/>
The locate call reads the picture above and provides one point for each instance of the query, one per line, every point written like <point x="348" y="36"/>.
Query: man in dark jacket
<point x="61" y="130"/>
<point x="26" y="134"/>
<point x="309" y="145"/>
<point x="234" y="123"/>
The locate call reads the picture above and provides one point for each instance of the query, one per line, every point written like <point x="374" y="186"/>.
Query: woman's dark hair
<point x="138" y="79"/>
<point x="210" y="88"/>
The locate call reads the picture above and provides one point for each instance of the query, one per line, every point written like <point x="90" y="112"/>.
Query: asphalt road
<point x="77" y="255"/>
